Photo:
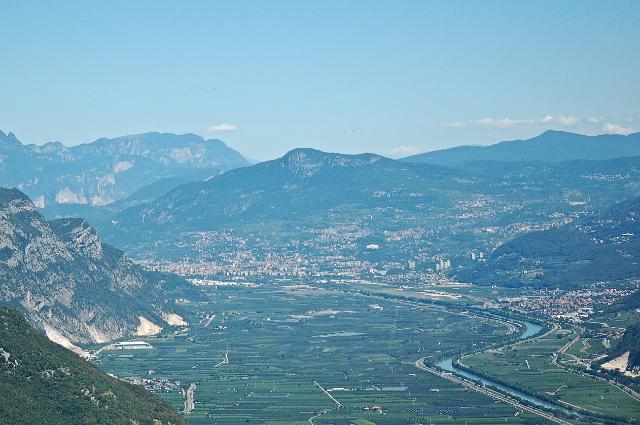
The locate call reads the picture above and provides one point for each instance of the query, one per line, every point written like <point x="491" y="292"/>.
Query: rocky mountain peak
<point x="9" y="140"/>
<point x="52" y="147"/>
<point x="12" y="201"/>
<point x="59" y="178"/>
<point x="306" y="162"/>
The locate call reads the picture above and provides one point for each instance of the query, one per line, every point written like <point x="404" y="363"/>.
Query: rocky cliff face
<point x="303" y="162"/>
<point x="67" y="282"/>
<point x="107" y="170"/>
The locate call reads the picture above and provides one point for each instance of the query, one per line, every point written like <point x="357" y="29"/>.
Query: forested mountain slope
<point x="44" y="383"/>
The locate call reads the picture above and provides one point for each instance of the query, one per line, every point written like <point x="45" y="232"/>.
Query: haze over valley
<point x="328" y="243"/>
<point x="320" y="213"/>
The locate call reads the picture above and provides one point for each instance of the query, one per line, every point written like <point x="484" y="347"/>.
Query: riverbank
<point x="491" y="393"/>
<point x="526" y="370"/>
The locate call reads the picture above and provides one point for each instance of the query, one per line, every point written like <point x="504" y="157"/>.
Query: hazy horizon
<point x="350" y="77"/>
<point x="222" y="239"/>
<point x="249" y="157"/>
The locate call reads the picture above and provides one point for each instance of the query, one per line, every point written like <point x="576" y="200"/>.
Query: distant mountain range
<point x="306" y="192"/>
<point x="550" y="146"/>
<point x="501" y="191"/>
<point x="100" y="179"/>
<point x="107" y="170"/>
<point x="307" y="184"/>
<point x="71" y="285"/>
<point x="43" y="383"/>
<point x="303" y="186"/>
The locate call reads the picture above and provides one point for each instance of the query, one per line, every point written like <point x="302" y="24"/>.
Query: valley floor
<point x="293" y="355"/>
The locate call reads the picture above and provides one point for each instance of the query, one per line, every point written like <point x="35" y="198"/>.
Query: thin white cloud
<point x="547" y="120"/>
<point x="486" y="122"/>
<point x="403" y="150"/>
<point x="351" y="131"/>
<point x="223" y="128"/>
<point x="501" y="123"/>
<point x="567" y="120"/>
<point x="453" y="124"/>
<point x="612" y="128"/>
<point x="589" y="125"/>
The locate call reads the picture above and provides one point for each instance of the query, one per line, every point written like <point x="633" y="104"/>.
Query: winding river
<point x="531" y="329"/>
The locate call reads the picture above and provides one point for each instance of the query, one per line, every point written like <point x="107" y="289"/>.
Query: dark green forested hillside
<point x="599" y="247"/>
<point x="630" y="342"/>
<point x="43" y="383"/>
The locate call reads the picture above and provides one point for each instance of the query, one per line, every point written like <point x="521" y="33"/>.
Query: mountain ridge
<point x="302" y="181"/>
<point x="106" y="170"/>
<point x="549" y="146"/>
<point x="310" y="187"/>
<point x="69" y="283"/>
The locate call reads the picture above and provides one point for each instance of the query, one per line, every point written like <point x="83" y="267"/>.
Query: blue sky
<point x="390" y="77"/>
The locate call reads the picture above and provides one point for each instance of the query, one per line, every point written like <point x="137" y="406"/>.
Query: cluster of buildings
<point x="575" y="306"/>
<point x="476" y="256"/>
<point x="418" y="252"/>
<point x="156" y="385"/>
<point x="443" y="265"/>
<point x="307" y="269"/>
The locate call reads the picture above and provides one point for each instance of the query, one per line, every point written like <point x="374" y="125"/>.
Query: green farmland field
<point x="528" y="365"/>
<point x="285" y="344"/>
